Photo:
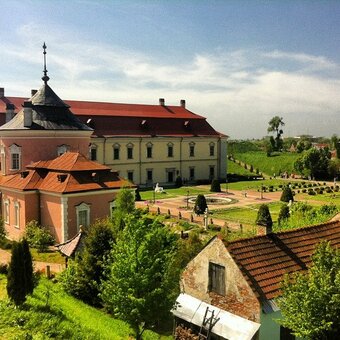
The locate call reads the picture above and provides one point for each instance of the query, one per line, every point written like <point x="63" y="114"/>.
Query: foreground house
<point x="243" y="279"/>
<point x="61" y="194"/>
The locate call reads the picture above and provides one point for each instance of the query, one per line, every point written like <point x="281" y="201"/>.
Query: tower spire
<point x="45" y="78"/>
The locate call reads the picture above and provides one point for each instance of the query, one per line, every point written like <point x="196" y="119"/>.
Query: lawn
<point x="276" y="164"/>
<point x="233" y="168"/>
<point x="256" y="184"/>
<point x="50" y="313"/>
<point x="53" y="257"/>
<point x="173" y="192"/>
<point x="248" y="214"/>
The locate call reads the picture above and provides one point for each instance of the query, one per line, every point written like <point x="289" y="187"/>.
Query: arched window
<point x="191" y="149"/>
<point x="93" y="152"/>
<point x="116" y="150"/>
<point x="15" y="151"/>
<point x="149" y="150"/>
<point x="129" y="151"/>
<point x="3" y="160"/>
<point x="212" y="149"/>
<point x="17" y="214"/>
<point x="170" y="149"/>
<point x="6" y="211"/>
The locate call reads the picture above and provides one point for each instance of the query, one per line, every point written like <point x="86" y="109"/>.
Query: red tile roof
<point x="68" y="173"/>
<point x="69" y="247"/>
<point x="107" y="118"/>
<point x="264" y="260"/>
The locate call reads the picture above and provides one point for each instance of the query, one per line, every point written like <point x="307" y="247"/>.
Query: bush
<point x="287" y="195"/>
<point x="328" y="209"/>
<point x="303" y="191"/>
<point x="138" y="198"/>
<point x="178" y="182"/>
<point x="3" y="268"/>
<point x="311" y="192"/>
<point x="328" y="190"/>
<point x="38" y="237"/>
<point x="251" y="169"/>
<point x="263" y="216"/>
<point x="271" y="188"/>
<point x="200" y="204"/>
<point x="283" y="214"/>
<point x="215" y="186"/>
<point x="2" y="229"/>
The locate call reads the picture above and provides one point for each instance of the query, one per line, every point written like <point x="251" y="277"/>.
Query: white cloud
<point x="238" y="91"/>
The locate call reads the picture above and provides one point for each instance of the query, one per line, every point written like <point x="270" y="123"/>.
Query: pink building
<point x="61" y="194"/>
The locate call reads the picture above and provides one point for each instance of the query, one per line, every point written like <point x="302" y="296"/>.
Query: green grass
<point x="171" y="193"/>
<point x="248" y="214"/>
<point x="234" y="168"/>
<point x="51" y="313"/>
<point x="256" y="184"/>
<point x="53" y="257"/>
<point x="276" y="164"/>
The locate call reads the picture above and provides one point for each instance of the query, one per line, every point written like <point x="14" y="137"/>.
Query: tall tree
<point x="335" y="144"/>
<point x="83" y="275"/>
<point x="20" y="273"/>
<point x="275" y="125"/>
<point x="124" y="204"/>
<point x="314" y="163"/>
<point x="310" y="302"/>
<point x="138" y="288"/>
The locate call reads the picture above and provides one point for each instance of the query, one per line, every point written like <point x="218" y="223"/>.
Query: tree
<point x="310" y="302"/>
<point x="37" y="236"/>
<point x="287" y="195"/>
<point x="138" y="288"/>
<point x="200" y="204"/>
<point x="83" y="276"/>
<point x="137" y="195"/>
<point x="20" y="281"/>
<point x="275" y="125"/>
<point x="263" y="216"/>
<point x="283" y="214"/>
<point x="215" y="185"/>
<point x="314" y="163"/>
<point x="335" y="144"/>
<point x="125" y="204"/>
<point x="178" y="182"/>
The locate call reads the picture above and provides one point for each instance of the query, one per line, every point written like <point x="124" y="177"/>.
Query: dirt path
<point x="5" y="257"/>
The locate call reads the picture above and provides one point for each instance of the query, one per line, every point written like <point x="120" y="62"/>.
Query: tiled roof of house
<point x="264" y="260"/>
<point x="69" y="247"/>
<point x="68" y="173"/>
<point x="115" y="119"/>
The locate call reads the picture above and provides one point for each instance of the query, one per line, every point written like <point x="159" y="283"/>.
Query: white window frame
<point x="6" y="210"/>
<point x="129" y="146"/>
<point x="3" y="159"/>
<point x="17" y="214"/>
<point x="171" y="145"/>
<point x="81" y="208"/>
<point x="116" y="146"/>
<point x="212" y="148"/>
<point x="149" y="146"/>
<point x="15" y="150"/>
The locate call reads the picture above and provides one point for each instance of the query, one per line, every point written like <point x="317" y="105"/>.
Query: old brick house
<point x="243" y="278"/>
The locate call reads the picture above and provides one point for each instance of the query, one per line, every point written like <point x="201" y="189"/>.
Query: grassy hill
<point x="276" y="164"/>
<point x="52" y="314"/>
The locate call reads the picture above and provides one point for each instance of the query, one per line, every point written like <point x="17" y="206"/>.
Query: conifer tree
<point x="263" y="216"/>
<point x="28" y="267"/>
<point x="200" y="204"/>
<point x="287" y="195"/>
<point x="215" y="186"/>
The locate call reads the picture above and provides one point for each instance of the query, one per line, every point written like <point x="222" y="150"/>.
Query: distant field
<point x="234" y="168"/>
<point x="276" y="164"/>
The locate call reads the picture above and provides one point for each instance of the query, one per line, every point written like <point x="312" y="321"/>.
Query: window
<point x="83" y="215"/>
<point x="170" y="150"/>
<point x="149" y="175"/>
<point x="211" y="171"/>
<point x="6" y="211"/>
<point x="192" y="149"/>
<point x="62" y="149"/>
<point x="149" y="150"/>
<point x="216" y="278"/>
<point x="191" y="173"/>
<point x="130" y="175"/>
<point x="212" y="149"/>
<point x="116" y="149"/>
<point x="93" y="152"/>
<point x="17" y="214"/>
<point x="130" y="151"/>
<point x="15" y="151"/>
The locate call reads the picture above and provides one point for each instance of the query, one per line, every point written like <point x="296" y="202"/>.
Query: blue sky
<point x="238" y="63"/>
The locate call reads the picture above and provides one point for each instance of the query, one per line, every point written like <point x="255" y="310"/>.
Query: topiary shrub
<point x="200" y="204"/>
<point x="287" y="195"/>
<point x="38" y="237"/>
<point x="312" y="192"/>
<point x="137" y="195"/>
<point x="263" y="216"/>
<point x="215" y="186"/>
<point x="303" y="191"/>
<point x="178" y="182"/>
<point x="283" y="214"/>
<point x="328" y="190"/>
<point x="271" y="188"/>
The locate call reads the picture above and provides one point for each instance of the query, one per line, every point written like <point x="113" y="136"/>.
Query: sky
<point x="237" y="63"/>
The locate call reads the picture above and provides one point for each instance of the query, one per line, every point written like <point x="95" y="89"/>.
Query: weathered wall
<point x="239" y="298"/>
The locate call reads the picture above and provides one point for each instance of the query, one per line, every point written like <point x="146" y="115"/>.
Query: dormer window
<point x="62" y="149"/>
<point x="15" y="151"/>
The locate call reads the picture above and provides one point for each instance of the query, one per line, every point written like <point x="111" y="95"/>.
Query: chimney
<point x="182" y="102"/>
<point x="33" y="92"/>
<point x="2" y="92"/>
<point x="9" y="112"/>
<point x="28" y="119"/>
<point x="161" y="101"/>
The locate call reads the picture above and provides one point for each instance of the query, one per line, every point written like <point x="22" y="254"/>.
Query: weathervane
<point x="45" y="78"/>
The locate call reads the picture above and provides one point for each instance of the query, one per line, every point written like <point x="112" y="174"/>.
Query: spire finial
<point x="45" y="78"/>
